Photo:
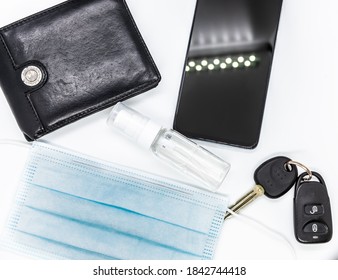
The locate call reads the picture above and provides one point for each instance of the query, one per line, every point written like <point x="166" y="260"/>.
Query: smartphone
<point x="226" y="76"/>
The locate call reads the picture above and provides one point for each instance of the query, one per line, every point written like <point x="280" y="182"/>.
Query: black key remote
<point x="312" y="210"/>
<point x="273" y="179"/>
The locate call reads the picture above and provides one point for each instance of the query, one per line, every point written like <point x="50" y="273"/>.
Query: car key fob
<point x="312" y="210"/>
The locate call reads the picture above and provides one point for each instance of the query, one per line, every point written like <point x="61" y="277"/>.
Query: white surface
<point x="300" y="119"/>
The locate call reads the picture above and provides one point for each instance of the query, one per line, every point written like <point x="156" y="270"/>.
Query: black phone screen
<point x="225" y="80"/>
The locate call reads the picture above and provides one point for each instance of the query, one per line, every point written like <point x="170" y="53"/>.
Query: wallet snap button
<point x="31" y="76"/>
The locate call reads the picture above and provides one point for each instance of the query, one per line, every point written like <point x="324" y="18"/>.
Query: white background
<point x="300" y="119"/>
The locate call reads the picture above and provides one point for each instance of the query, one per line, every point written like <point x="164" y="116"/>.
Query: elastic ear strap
<point x="255" y="223"/>
<point x="15" y="143"/>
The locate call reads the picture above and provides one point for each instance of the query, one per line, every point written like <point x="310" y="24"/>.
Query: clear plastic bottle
<point x="171" y="146"/>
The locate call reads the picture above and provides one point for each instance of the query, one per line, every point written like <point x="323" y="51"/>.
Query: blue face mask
<point x="70" y="206"/>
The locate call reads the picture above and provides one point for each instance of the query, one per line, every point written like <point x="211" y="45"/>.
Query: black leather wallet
<point x="70" y="61"/>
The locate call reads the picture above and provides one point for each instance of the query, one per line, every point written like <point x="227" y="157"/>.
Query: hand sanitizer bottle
<point x="171" y="146"/>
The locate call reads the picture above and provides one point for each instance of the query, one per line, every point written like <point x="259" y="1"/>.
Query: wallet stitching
<point x="52" y="9"/>
<point x="8" y="52"/>
<point x="37" y="15"/>
<point x="98" y="106"/>
<point x="37" y="119"/>
<point x="141" y="38"/>
<point x="35" y="114"/>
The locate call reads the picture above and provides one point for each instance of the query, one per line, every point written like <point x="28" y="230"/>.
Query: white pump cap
<point x="134" y="125"/>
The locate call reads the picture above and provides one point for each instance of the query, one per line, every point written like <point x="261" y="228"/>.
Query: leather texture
<point x="91" y="55"/>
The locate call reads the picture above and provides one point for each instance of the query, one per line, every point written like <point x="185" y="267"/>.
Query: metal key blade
<point x="273" y="179"/>
<point x="257" y="191"/>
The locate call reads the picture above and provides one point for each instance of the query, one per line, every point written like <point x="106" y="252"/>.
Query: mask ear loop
<point x="15" y="143"/>
<point x="259" y="225"/>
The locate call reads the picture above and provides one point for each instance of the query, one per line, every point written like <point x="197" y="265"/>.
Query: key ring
<point x="296" y="163"/>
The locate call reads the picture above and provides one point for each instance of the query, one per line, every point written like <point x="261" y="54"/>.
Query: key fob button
<point x="314" y="209"/>
<point x="316" y="228"/>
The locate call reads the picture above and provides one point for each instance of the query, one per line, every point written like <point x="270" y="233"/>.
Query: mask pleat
<point x="73" y="206"/>
<point x="57" y="250"/>
<point x="96" y="239"/>
<point x="141" y="197"/>
<point x="95" y="214"/>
